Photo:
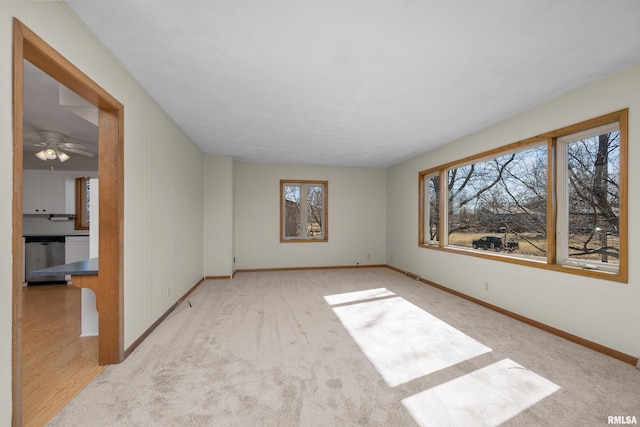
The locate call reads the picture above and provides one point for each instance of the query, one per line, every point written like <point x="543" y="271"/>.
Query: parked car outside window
<point x="487" y="242"/>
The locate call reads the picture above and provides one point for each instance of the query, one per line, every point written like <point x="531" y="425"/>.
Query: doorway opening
<point x="109" y="295"/>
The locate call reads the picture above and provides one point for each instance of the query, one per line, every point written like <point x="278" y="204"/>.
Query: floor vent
<point x="414" y="276"/>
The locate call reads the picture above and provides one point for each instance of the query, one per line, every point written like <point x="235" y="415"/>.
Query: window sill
<point x="302" y="240"/>
<point x="617" y="276"/>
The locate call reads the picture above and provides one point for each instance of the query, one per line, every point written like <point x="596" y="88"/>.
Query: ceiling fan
<point x="54" y="146"/>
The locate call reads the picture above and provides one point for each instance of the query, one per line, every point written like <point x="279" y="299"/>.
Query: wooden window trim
<point x="551" y="137"/>
<point x="326" y="209"/>
<point x="422" y="212"/>
<point x="82" y="216"/>
<point x="110" y="295"/>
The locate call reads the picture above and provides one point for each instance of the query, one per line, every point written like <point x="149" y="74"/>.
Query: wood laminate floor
<point x="56" y="363"/>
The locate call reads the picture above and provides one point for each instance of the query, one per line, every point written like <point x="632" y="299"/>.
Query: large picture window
<point x="554" y="201"/>
<point x="500" y="204"/>
<point x="303" y="216"/>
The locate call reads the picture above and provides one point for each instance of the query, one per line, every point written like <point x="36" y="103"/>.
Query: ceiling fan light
<point x="41" y="155"/>
<point x="50" y="153"/>
<point x="63" y="157"/>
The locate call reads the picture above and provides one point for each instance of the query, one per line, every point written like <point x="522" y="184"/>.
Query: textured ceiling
<point x="50" y="106"/>
<point x="361" y="82"/>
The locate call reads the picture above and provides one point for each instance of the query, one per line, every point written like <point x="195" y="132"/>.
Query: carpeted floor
<point x="351" y="347"/>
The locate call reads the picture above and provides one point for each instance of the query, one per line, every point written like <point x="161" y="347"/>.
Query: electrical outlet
<point x="168" y="292"/>
<point x="486" y="286"/>
<point x="368" y="256"/>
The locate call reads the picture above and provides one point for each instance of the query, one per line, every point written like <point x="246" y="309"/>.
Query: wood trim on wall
<point x="552" y="197"/>
<point x="16" y="282"/>
<point x="558" y="332"/>
<point x="624" y="195"/>
<point x="155" y="324"/>
<point x="27" y="45"/>
<point x="328" y="267"/>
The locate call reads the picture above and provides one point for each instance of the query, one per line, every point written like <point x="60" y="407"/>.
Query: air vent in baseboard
<point x="414" y="276"/>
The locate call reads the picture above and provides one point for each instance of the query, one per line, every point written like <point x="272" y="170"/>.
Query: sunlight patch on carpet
<point x="357" y="296"/>
<point x="403" y="341"/>
<point x="486" y="397"/>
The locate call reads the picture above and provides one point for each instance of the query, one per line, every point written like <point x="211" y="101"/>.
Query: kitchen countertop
<point x="86" y="267"/>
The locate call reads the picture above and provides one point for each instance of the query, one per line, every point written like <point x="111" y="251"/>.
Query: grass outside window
<point x="555" y="201"/>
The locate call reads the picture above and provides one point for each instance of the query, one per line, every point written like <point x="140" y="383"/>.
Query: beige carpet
<point x="351" y="347"/>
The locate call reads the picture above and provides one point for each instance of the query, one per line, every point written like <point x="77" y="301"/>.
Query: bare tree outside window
<point x="593" y="165"/>
<point x="292" y="210"/>
<point x="315" y="210"/>
<point x="432" y="218"/>
<point x="556" y="201"/>
<point x="304" y="210"/>
<point x="504" y="197"/>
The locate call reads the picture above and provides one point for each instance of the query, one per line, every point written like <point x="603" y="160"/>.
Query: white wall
<point x="218" y="216"/>
<point x="357" y="217"/>
<point x="163" y="211"/>
<point x="598" y="310"/>
<point x="163" y="182"/>
<point x="6" y="190"/>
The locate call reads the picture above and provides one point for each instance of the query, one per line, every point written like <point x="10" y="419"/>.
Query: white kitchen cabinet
<point x="44" y="193"/>
<point x="76" y="248"/>
<point x="30" y="192"/>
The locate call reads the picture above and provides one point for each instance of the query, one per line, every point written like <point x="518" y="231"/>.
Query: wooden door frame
<point x="109" y="296"/>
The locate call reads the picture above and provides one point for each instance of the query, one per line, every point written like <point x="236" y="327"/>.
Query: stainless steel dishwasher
<point x="43" y="252"/>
